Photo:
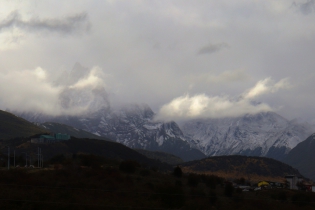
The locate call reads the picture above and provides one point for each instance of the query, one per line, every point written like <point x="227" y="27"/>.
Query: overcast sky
<point x="185" y="59"/>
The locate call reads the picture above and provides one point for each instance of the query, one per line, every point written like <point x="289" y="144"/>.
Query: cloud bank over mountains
<point x="203" y="106"/>
<point x="73" y="93"/>
<point x="38" y="91"/>
<point x="167" y="54"/>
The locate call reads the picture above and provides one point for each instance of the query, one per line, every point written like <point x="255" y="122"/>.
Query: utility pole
<point x="8" y="158"/>
<point x="14" y="158"/>
<point x="39" y="158"/>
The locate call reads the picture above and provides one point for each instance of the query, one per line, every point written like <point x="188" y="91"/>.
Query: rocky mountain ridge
<point x="133" y="126"/>
<point x="263" y="134"/>
<point x="302" y="157"/>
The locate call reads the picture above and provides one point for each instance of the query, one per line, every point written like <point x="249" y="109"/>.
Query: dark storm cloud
<point x="212" y="48"/>
<point x="307" y="7"/>
<point x="67" y="25"/>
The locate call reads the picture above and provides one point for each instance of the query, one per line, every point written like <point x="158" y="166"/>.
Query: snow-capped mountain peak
<point x="262" y="134"/>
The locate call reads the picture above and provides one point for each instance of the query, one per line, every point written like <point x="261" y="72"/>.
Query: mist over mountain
<point x="83" y="90"/>
<point x="130" y="124"/>
<point x="78" y="92"/>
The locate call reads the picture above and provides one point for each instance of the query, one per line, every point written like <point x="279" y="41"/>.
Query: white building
<point x="293" y="181"/>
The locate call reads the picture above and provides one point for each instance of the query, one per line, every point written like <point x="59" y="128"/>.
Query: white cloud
<point x="10" y="39"/>
<point x="94" y="79"/>
<point x="203" y="106"/>
<point x="40" y="73"/>
<point x="36" y="90"/>
<point x="266" y="86"/>
<point x="28" y="90"/>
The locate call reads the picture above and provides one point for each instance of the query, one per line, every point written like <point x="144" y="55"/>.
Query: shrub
<point x="228" y="189"/>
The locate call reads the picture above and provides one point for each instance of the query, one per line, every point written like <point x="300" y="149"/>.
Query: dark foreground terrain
<point x="94" y="182"/>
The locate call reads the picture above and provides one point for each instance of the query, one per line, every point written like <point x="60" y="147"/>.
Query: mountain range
<point x="134" y="127"/>
<point x="263" y="134"/>
<point x="301" y="156"/>
<point x="252" y="168"/>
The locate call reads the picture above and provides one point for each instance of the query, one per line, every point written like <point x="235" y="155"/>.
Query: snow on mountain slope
<point x="264" y="134"/>
<point x="132" y="125"/>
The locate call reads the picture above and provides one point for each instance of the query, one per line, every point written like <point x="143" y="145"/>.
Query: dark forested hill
<point x="107" y="149"/>
<point x="302" y="157"/>
<point x="251" y="168"/>
<point x="161" y="156"/>
<point x="12" y="126"/>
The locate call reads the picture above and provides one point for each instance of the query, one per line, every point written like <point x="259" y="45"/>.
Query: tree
<point x="178" y="172"/>
<point x="228" y="189"/>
